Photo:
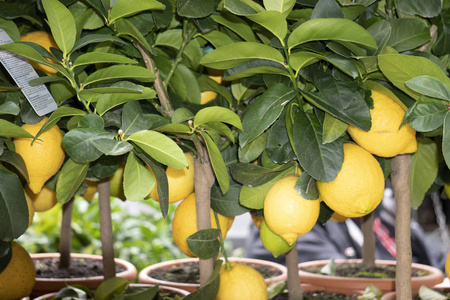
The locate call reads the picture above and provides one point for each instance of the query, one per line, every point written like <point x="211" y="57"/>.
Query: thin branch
<point x="65" y="240"/>
<point x="106" y="235"/>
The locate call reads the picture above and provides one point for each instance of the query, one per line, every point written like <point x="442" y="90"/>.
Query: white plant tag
<point x="22" y="72"/>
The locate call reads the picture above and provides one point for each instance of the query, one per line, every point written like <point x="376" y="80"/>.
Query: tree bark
<point x="400" y="168"/>
<point x="204" y="179"/>
<point x="107" y="239"/>
<point x="368" y="248"/>
<point x="295" y="290"/>
<point x="65" y="239"/>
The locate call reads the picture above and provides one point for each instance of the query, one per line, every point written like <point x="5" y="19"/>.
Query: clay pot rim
<point x="129" y="267"/>
<point x="434" y="272"/>
<point x="144" y="273"/>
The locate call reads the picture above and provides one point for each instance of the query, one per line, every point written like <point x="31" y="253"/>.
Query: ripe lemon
<point x="447" y="265"/>
<point x="116" y="182"/>
<point x="31" y="209"/>
<point x="359" y="186"/>
<point x="287" y="213"/>
<point x="91" y="190"/>
<point x="46" y="40"/>
<point x="385" y="138"/>
<point x="273" y="242"/>
<point x="44" y="200"/>
<point x="44" y="156"/>
<point x="215" y="75"/>
<point x="184" y="223"/>
<point x="257" y="220"/>
<point x="17" y="279"/>
<point x="180" y="181"/>
<point x="241" y="282"/>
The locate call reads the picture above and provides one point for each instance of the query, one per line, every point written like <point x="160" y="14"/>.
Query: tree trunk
<point x="107" y="239"/>
<point x="401" y="184"/>
<point x="293" y="279"/>
<point x="65" y="239"/>
<point x="368" y="248"/>
<point x="204" y="179"/>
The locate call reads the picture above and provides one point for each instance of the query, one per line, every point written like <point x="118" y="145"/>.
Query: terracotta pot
<point x="144" y="276"/>
<point x="47" y="285"/>
<point x="179" y="292"/>
<point x="392" y="295"/>
<point x="341" y="284"/>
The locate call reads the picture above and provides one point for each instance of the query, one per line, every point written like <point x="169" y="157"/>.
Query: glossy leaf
<point x="5" y="253"/>
<point x="279" y="148"/>
<point x="70" y="178"/>
<point x="108" y="101"/>
<point x="112" y="147"/>
<point x="236" y="24"/>
<point x="125" y="27"/>
<point x="306" y="187"/>
<point x="126" y="8"/>
<point x="196" y="8"/>
<point x="381" y="32"/>
<point x="95" y="38"/>
<point x="264" y="111"/>
<point x="331" y="29"/>
<point x="210" y="288"/>
<point x="243" y="7"/>
<point x="333" y="128"/>
<point x="428" y="9"/>
<point x="253" y="150"/>
<point x="138" y="182"/>
<point x="205" y="243"/>
<point x="79" y="143"/>
<point x="217" y="38"/>
<point x="8" y="129"/>
<point x="423" y="170"/>
<point x="61" y="112"/>
<point x="110" y="288"/>
<point x="133" y="120"/>
<point x="327" y="9"/>
<point x="95" y="58"/>
<point x="272" y="21"/>
<point x="322" y="161"/>
<point x="15" y="160"/>
<point x="120" y="72"/>
<point x="253" y="175"/>
<point x="429" y="86"/>
<point x="408" y="34"/>
<point x="218" y="165"/>
<point x="255" y="67"/>
<point x="62" y="24"/>
<point x="426" y="114"/>
<point x="282" y="6"/>
<point x="28" y="11"/>
<point x="227" y="204"/>
<point x="159" y="147"/>
<point x="217" y="114"/>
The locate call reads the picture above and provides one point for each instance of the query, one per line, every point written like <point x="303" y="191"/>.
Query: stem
<point x="222" y="242"/>
<point x="400" y="168"/>
<point x="368" y="249"/>
<point x="293" y="279"/>
<point x="106" y="235"/>
<point x="390" y="9"/>
<point x="65" y="241"/>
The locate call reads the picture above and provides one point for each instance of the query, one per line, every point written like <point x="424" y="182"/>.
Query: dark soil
<point x="79" y="267"/>
<point x="318" y="295"/>
<point x="189" y="272"/>
<point x="358" y="270"/>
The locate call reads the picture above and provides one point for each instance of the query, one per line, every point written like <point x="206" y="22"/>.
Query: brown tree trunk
<point x="401" y="184"/>
<point x="368" y="248"/>
<point x="204" y="179"/>
<point x="106" y="235"/>
<point x="65" y="240"/>
<point x="293" y="279"/>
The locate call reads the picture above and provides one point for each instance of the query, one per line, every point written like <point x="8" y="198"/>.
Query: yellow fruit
<point x="272" y="241"/>
<point x="116" y="182"/>
<point x="241" y="282"/>
<point x="46" y="40"/>
<point x="184" y="223"/>
<point x="287" y="213"/>
<point x="385" y="138"/>
<point x="207" y="96"/>
<point x="44" y="156"/>
<point x="180" y="181"/>
<point x="44" y="200"/>
<point x="91" y="190"/>
<point x="338" y="218"/>
<point x="215" y="75"/>
<point x="447" y="265"/>
<point x="359" y="186"/>
<point x="17" y="279"/>
<point x="257" y="220"/>
<point x="30" y="209"/>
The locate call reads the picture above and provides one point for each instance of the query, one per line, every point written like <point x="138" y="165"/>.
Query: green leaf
<point x="15" y="160"/>
<point x="120" y="72"/>
<point x="70" y="178"/>
<point x="251" y="175"/>
<point x="5" y="254"/>
<point x="108" y="101"/>
<point x="424" y="169"/>
<point x="220" y="170"/>
<point x="8" y="129"/>
<point x="182" y="114"/>
<point x="210" y="288"/>
<point x="138" y="182"/>
<point x="401" y="68"/>
<point x="429" y="86"/>
<point x="28" y="11"/>
<point x="381" y="32"/>
<point x="272" y="21"/>
<point x="95" y="58"/>
<point x="112" y="147"/>
<point x="408" y="34"/>
<point x="427" y="293"/>
<point x="327" y="9"/>
<point x="133" y="119"/>
<point x="264" y="111"/>
<point x="217" y="114"/>
<point x="204" y="244"/>
<point x="426" y="114"/>
<point x="61" y="112"/>
<point x="255" y="67"/>
<point x="253" y="150"/>
<point x="79" y="143"/>
<point x="306" y="187"/>
<point x="227" y="204"/>
<point x="111" y="287"/>
<point x="333" y="128"/>
<point x="126" y="8"/>
<point x="62" y="24"/>
<point x="159" y="147"/>
<point x="331" y="29"/>
<point x="322" y="161"/>
<point x="125" y="27"/>
<point x="190" y="81"/>
<point x="427" y="9"/>
<point x="236" y="24"/>
<point x="238" y="53"/>
<point x="279" y="148"/>
<point x="283" y="6"/>
<point x="13" y="206"/>
<point x="95" y="38"/>
<point x="243" y="7"/>
<point x="217" y="38"/>
<point x="196" y="8"/>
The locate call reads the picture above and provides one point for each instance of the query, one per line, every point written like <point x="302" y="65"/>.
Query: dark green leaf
<point x="429" y="86"/>
<point x="236" y="24"/>
<point x="138" y="182"/>
<point x="407" y="34"/>
<point x="442" y="44"/>
<point x="5" y="254"/>
<point x="112" y="147"/>
<point x="381" y="32"/>
<point x="13" y="10"/>
<point x="125" y="27"/>
<point x="15" y="160"/>
<point x="60" y="112"/>
<point x="253" y="175"/>
<point x="278" y="147"/>
<point x="306" y="187"/>
<point x="209" y="290"/>
<point x="70" y="178"/>
<point x="327" y="9"/>
<point x="242" y="8"/>
<point x="95" y="38"/>
<point x="95" y="57"/>
<point x="228" y="204"/>
<point x="426" y="9"/>
<point x="255" y="67"/>
<point x="426" y="114"/>
<point x="204" y="243"/>
<point x="120" y="72"/>
<point x="133" y="120"/>
<point x="218" y="165"/>
<point x="196" y="8"/>
<point x="79" y="143"/>
<point x="333" y="128"/>
<point x="126" y="8"/>
<point x="111" y="287"/>
<point x="253" y="150"/>
<point x="325" y="213"/>
<point x="272" y="21"/>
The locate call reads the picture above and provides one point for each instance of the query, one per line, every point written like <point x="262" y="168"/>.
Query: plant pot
<point x="145" y="277"/>
<point x="342" y="284"/>
<point x="47" y="285"/>
<point x="313" y="288"/>
<point x="179" y="292"/>
<point x="392" y="295"/>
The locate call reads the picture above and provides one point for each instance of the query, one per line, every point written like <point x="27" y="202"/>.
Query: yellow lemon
<point x="46" y="40"/>
<point x="180" y="181"/>
<point x="91" y="190"/>
<point x="215" y="75"/>
<point x="241" y="282"/>
<point x="385" y="138"/>
<point x="17" y="279"/>
<point x="447" y="265"/>
<point x="116" y="182"/>
<point x="31" y="209"/>
<point x="287" y="213"/>
<point x="44" y="156"/>
<point x="273" y="242"/>
<point x="359" y="186"/>
<point x="44" y="200"/>
<point x="184" y="223"/>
